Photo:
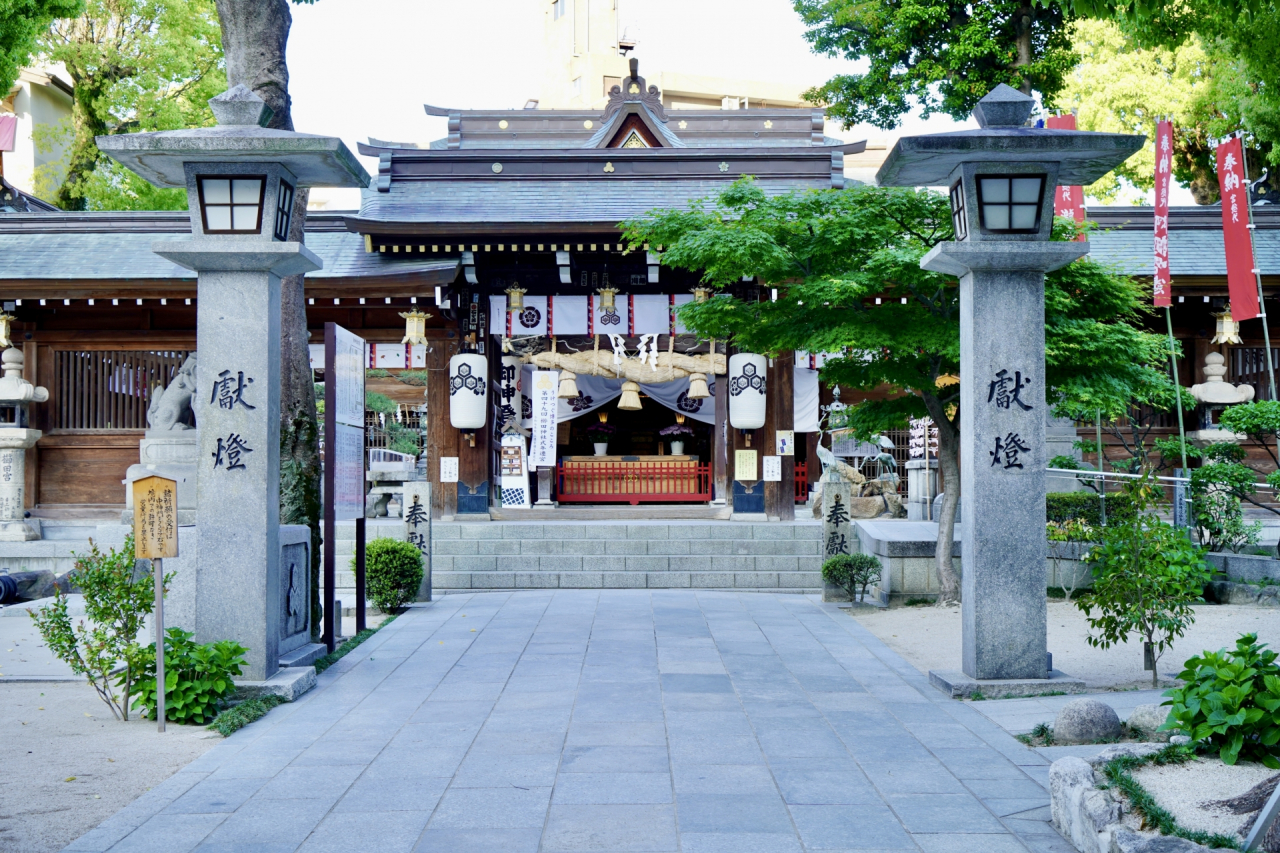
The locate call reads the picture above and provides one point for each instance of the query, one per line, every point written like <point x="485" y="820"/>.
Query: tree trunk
<point x="82" y="158"/>
<point x="1022" y="27"/>
<point x="949" y="465"/>
<point x="254" y="36"/>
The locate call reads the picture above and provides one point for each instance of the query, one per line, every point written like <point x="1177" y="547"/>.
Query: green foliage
<point x="393" y="572"/>
<point x="21" y="24"/>
<point x="1217" y="490"/>
<point x="940" y="54"/>
<point x="349" y="646"/>
<point x="1260" y="421"/>
<point x="1086" y="507"/>
<point x="1172" y="450"/>
<point x="1146" y="576"/>
<point x="1118" y="772"/>
<point x="135" y="65"/>
<point x="117" y="598"/>
<point x="375" y="402"/>
<point x="377" y="373"/>
<point x="1232" y="699"/>
<point x="235" y="718"/>
<point x="852" y="572"/>
<point x="197" y="677"/>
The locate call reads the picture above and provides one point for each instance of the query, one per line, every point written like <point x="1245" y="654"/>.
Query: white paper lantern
<point x="468" y="390"/>
<point x="746" y="390"/>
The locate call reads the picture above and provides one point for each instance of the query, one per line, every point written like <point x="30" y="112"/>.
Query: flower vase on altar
<point x="599" y="433"/>
<point x="677" y="448"/>
<point x="602" y="448"/>
<point x="676" y="432"/>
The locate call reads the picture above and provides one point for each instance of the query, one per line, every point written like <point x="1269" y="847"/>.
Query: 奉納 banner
<point x="1164" y="157"/>
<point x="1067" y="201"/>
<point x="1235" y="230"/>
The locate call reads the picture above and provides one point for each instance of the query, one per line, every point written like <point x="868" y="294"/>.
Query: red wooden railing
<point x="634" y="482"/>
<point x="802" y="482"/>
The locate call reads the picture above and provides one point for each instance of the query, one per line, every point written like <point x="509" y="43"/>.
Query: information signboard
<point x="344" y="482"/>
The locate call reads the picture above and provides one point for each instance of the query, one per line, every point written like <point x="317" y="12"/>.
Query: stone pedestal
<point x="13" y="447"/>
<point x="1003" y="450"/>
<point x="170" y="454"/>
<point x="239" y="593"/>
<point x="922" y="488"/>
<point x="544" y="487"/>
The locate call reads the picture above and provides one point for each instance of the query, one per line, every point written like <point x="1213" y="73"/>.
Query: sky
<point x="364" y="68"/>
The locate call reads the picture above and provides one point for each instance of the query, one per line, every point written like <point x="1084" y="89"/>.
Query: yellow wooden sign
<point x="155" y="518"/>
<point x="744" y="465"/>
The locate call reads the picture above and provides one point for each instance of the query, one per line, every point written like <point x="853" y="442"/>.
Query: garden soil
<point x="929" y="638"/>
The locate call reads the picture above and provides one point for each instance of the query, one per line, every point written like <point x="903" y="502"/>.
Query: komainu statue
<point x="170" y="407"/>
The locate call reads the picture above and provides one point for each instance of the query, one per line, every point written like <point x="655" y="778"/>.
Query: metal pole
<point x="1102" y="490"/>
<point x="1177" y="388"/>
<point x="157" y="569"/>
<point x="360" y="615"/>
<point x="1257" y="272"/>
<point x="1263" y="821"/>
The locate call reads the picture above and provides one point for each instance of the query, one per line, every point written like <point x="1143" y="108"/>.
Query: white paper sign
<point x="448" y="469"/>
<point x="786" y="442"/>
<point x="542" y="454"/>
<point x="772" y="469"/>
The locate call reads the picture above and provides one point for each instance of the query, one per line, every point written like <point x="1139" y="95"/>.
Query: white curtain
<point x="595" y="391"/>
<point x="805" y="399"/>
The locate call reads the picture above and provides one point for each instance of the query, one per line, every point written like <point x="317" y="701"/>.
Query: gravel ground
<point x="1182" y="789"/>
<point x="54" y="732"/>
<point x="929" y="638"/>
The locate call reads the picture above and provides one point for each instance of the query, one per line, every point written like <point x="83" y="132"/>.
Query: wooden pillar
<point x="779" y="497"/>
<point x="721" y="442"/>
<point x="442" y="438"/>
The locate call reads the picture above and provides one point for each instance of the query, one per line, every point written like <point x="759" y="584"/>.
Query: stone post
<point x="1001" y="179"/>
<point x="16" y="394"/>
<point x="241" y="179"/>
<point x="922" y="488"/>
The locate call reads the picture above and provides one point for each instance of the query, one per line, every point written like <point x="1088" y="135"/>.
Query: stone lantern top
<point x="1002" y="137"/>
<point x="15" y="389"/>
<point x="239" y="136"/>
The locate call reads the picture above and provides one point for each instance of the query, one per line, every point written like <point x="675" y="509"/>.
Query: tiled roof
<point x="121" y="256"/>
<point x="1194" y="252"/>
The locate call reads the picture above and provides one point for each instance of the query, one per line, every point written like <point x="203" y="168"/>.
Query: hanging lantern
<point x="603" y="417"/>
<point x="630" y="400"/>
<point x="5" y="320"/>
<point x="746" y="390"/>
<point x="701" y="294"/>
<point x="568" y="385"/>
<point x="468" y="390"/>
<point x="679" y="418"/>
<point x="606" y="298"/>
<point x="515" y="299"/>
<point x="415" y="328"/>
<point x="1228" y="330"/>
<point x="698" y="389"/>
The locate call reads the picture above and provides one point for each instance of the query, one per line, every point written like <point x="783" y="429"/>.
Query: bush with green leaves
<point x="1086" y="507"/>
<point x="1217" y="489"/>
<point x="852" y="572"/>
<point x="197" y="677"/>
<point x="1232" y="700"/>
<point x="117" y="598"/>
<point x="393" y="573"/>
<point x="1146" y="575"/>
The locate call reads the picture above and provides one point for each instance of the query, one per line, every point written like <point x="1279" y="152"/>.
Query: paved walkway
<point x="702" y="722"/>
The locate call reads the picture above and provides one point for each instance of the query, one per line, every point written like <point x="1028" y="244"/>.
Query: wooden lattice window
<point x="109" y="389"/>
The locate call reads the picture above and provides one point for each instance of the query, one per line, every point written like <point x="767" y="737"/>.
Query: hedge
<point x="1086" y="506"/>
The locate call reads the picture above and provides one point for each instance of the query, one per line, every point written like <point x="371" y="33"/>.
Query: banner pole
<point x="1257" y="271"/>
<point x="1177" y="387"/>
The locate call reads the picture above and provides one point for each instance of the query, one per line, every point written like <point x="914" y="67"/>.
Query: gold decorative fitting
<point x="634" y="90"/>
<point x="679" y="418"/>
<point x="497" y="167"/>
<point x="683" y="124"/>
<point x="515" y="298"/>
<point x="6" y="320"/>
<point x="701" y="294"/>
<point x="415" y="327"/>
<point x="587" y="124"/>
<point x="724" y="167"/>
<point x="503" y="124"/>
<point x="768" y="124"/>
<point x="606" y="298"/>
<point x="1227" y="331"/>
<point x="603" y="417"/>
<point x="608" y="167"/>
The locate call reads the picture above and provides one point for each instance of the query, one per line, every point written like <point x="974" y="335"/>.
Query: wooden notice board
<point x="155" y="518"/>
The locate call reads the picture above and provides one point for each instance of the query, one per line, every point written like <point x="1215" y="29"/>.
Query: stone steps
<point x="584" y="554"/>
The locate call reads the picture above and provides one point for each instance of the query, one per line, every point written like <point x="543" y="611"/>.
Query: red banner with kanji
<point x="1235" y="231"/>
<point x="1164" y="161"/>
<point x="1067" y="201"/>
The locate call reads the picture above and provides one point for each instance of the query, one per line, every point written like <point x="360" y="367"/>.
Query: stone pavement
<point x="1020" y="716"/>
<point x="703" y="722"/>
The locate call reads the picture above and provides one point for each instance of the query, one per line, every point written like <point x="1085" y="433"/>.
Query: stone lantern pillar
<point x="1001" y="180"/>
<point x="16" y="396"/>
<point x="241" y="178"/>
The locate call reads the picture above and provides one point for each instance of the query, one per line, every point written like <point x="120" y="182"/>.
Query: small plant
<point x="1074" y="533"/>
<point x="674" y="430"/>
<point x="1232" y="699"/>
<point x="236" y="718"/>
<point x="918" y="602"/>
<point x="1146" y="576"/>
<point x="117" y="597"/>
<point x="601" y="432"/>
<point x="852" y="572"/>
<point x="1153" y="815"/>
<point x="393" y="573"/>
<point x="197" y="677"/>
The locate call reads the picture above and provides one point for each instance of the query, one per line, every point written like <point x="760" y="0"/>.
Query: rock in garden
<point x="1128" y="841"/>
<point x="33" y="585"/>
<point x="1149" y="718"/>
<point x="1080" y="810"/>
<point x="1133" y="750"/>
<point x="1085" y="721"/>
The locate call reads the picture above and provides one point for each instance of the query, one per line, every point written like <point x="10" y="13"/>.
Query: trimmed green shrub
<point x="1233" y="700"/>
<point x="246" y="712"/>
<point x="852" y="573"/>
<point x="197" y="677"/>
<point x="393" y="573"/>
<point x="1061" y="507"/>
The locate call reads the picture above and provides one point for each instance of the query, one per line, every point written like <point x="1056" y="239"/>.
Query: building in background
<point x="41" y="99"/>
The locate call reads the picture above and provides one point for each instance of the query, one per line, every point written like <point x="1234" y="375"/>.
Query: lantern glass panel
<point x="232" y="205"/>
<point x="958" y="222"/>
<point x="284" y="210"/>
<point x="1011" y="204"/>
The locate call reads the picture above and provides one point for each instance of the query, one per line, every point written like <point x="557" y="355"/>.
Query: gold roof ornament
<point x="6" y="322"/>
<point x="415" y="327"/>
<point x="1227" y="330"/>
<point x="701" y="294"/>
<point x="515" y="298"/>
<point x="606" y="298"/>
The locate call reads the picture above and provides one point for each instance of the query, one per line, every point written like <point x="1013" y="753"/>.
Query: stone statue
<point x="1215" y="390"/>
<point x="170" y="408"/>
